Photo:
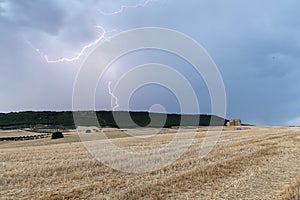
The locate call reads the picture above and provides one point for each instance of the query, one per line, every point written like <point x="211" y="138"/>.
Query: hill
<point x="64" y="119"/>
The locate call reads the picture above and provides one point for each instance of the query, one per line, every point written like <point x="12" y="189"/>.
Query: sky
<point x="255" y="45"/>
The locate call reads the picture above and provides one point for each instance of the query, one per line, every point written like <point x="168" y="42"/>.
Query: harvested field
<point x="252" y="163"/>
<point x="16" y="133"/>
<point x="292" y="191"/>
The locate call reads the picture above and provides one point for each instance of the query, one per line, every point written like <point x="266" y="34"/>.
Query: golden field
<point x="252" y="163"/>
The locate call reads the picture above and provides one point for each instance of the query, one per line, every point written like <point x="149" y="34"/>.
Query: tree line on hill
<point x="64" y="119"/>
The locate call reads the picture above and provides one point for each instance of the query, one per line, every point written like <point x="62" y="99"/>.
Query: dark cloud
<point x="45" y="16"/>
<point x="255" y="44"/>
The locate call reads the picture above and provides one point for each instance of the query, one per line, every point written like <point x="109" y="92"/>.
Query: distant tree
<point x="57" y="135"/>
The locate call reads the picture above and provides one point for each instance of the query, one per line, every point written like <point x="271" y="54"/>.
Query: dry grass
<point x="16" y="133"/>
<point x="254" y="163"/>
<point x="292" y="191"/>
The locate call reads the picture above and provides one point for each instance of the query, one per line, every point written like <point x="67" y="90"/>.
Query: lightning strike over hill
<point x="113" y="97"/>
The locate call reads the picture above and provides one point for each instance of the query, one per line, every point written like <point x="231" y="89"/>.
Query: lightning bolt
<point x="124" y="7"/>
<point x="35" y="49"/>
<point x="102" y="37"/>
<point x="113" y="97"/>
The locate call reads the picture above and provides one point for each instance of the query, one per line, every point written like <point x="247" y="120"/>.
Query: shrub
<point x="88" y="131"/>
<point x="57" y="135"/>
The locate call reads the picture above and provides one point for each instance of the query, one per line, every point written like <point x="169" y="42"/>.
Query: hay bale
<point x="234" y="122"/>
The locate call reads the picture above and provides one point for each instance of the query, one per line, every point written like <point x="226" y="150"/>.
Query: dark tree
<point x="57" y="135"/>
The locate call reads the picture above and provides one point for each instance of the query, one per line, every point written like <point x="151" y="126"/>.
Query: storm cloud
<point x="255" y="44"/>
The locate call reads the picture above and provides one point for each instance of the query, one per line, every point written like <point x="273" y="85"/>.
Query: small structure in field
<point x="234" y="122"/>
